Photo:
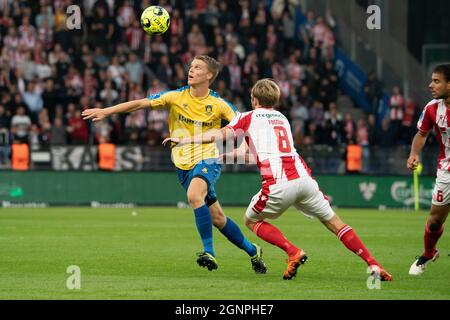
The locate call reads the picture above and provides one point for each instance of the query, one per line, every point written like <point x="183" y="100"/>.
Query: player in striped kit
<point x="436" y="114"/>
<point x="286" y="179"/>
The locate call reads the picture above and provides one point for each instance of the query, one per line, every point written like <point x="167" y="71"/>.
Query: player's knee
<point x="435" y="225"/>
<point x="195" y="200"/>
<point x="249" y="223"/>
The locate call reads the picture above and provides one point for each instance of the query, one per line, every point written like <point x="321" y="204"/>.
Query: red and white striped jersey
<point x="435" y="114"/>
<point x="268" y="135"/>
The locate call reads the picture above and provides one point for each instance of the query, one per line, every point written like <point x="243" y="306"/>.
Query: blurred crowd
<point x="48" y="73"/>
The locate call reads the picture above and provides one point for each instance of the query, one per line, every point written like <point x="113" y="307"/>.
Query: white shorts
<point x="441" y="191"/>
<point x="302" y="193"/>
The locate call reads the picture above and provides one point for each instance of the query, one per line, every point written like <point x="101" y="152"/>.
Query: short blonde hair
<point x="213" y="65"/>
<point x="267" y="92"/>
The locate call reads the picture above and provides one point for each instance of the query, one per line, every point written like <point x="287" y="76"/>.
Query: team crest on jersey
<point x="208" y="110"/>
<point x="204" y="170"/>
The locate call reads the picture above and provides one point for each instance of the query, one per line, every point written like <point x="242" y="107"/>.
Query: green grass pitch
<point x="151" y="255"/>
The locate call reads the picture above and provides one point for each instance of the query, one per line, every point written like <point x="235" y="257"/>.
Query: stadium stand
<point x="48" y="74"/>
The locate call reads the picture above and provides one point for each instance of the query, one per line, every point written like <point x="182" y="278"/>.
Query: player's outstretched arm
<point x="241" y="153"/>
<point x="416" y="147"/>
<point x="97" y="114"/>
<point x="209" y="136"/>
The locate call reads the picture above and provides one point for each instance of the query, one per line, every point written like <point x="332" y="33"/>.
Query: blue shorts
<point x="208" y="170"/>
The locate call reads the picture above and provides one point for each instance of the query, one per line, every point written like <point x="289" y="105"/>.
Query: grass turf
<point x="151" y="255"/>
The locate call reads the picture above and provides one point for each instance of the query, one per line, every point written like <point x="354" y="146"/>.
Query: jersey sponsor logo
<point x="185" y="106"/>
<point x="195" y="122"/>
<point x="270" y="115"/>
<point x="205" y="170"/>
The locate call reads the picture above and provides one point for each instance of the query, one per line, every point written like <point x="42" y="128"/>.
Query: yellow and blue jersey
<point x="189" y="116"/>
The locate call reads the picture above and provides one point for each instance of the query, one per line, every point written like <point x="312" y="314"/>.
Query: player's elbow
<point x="144" y="103"/>
<point x="422" y="134"/>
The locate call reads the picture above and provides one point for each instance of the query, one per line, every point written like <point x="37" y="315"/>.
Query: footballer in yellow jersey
<point x="189" y="116"/>
<point x="192" y="110"/>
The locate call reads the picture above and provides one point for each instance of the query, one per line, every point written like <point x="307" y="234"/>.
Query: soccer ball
<point x="155" y="20"/>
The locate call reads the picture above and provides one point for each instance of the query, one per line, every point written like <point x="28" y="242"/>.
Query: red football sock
<point x="351" y="240"/>
<point x="430" y="239"/>
<point x="274" y="236"/>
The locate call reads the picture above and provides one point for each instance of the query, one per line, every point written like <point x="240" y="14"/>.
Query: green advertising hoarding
<point x="162" y="188"/>
<point x="370" y="191"/>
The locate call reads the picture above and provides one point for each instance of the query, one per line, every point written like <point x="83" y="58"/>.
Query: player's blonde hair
<point x="267" y="92"/>
<point x="213" y="65"/>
